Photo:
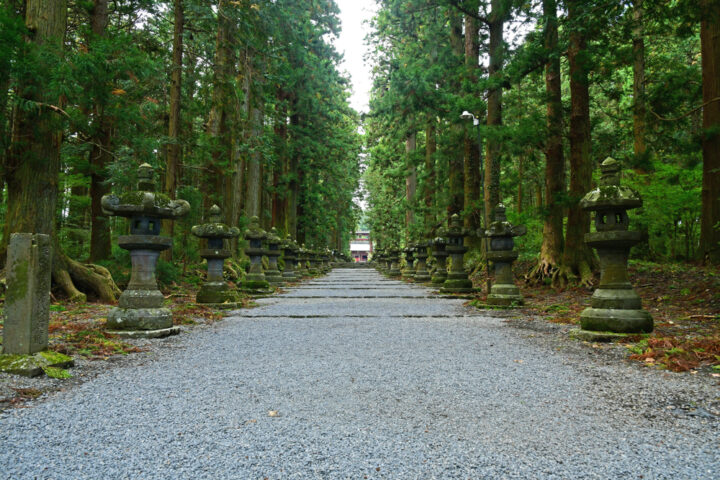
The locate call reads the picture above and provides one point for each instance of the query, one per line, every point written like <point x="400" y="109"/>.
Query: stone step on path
<point x="360" y="388"/>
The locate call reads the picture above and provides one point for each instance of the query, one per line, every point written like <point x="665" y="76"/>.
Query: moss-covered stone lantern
<point x="290" y="250"/>
<point x="421" y="253"/>
<point x="255" y="281"/>
<point x="408" y="273"/>
<point x="140" y="309"/>
<point x="215" y="292"/>
<point x="273" y="252"/>
<point x="457" y="278"/>
<point x="304" y="256"/>
<point x="441" y="255"/>
<point x="378" y="259"/>
<point x="394" y="254"/>
<point x="501" y="233"/>
<point x="327" y="259"/>
<point x="615" y="307"/>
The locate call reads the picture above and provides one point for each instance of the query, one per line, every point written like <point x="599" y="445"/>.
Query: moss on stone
<point x="34" y="365"/>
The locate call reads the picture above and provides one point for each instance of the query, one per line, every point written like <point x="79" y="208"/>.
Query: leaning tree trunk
<point x="710" y="46"/>
<point x="578" y="259"/>
<point x="552" y="242"/>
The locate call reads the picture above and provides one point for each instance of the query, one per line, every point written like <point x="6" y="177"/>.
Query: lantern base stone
<point x="616" y="320"/>
<point x="139" y="319"/>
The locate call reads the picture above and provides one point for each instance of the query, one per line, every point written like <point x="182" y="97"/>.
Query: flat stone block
<point x="618" y="321"/>
<point x="602" y="337"/>
<point x="139" y="319"/>
<point x="616" y="299"/>
<point x="32" y="365"/>
<point x="215" y="293"/>
<point x="160" y="333"/>
<point x="141" y="299"/>
<point x="505" y="300"/>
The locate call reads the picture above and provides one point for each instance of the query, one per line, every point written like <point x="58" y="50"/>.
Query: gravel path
<point x="341" y="379"/>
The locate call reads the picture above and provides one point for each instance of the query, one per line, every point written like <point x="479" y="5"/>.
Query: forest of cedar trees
<point x="245" y="104"/>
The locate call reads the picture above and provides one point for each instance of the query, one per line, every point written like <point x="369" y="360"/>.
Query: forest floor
<point x="683" y="299"/>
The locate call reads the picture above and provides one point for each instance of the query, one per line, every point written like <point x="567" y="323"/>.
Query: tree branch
<point x="716" y="99"/>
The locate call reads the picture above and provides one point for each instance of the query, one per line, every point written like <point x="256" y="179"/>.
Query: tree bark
<point x="294" y="173"/>
<point x="33" y="161"/>
<point x="577" y="256"/>
<point x="471" y="164"/>
<point x="431" y="177"/>
<point x="455" y="159"/>
<point x="552" y="243"/>
<point x="100" y="153"/>
<point x="410" y="182"/>
<point x="174" y="150"/>
<point x="496" y="24"/>
<point x="639" y="146"/>
<point x="709" y="249"/>
<point x="280" y="197"/>
<point x="220" y="121"/>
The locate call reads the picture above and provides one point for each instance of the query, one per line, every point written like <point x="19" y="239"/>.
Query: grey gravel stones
<point x="386" y="396"/>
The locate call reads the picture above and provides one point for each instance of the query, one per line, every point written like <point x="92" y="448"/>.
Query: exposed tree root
<point x="541" y="273"/>
<point x="561" y="276"/>
<point x="70" y="274"/>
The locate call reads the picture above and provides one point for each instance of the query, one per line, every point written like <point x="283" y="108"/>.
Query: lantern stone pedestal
<point x="615" y="307"/>
<point x="215" y="292"/>
<point x="290" y="251"/>
<point x="421" y="273"/>
<point x="255" y="282"/>
<point x="440" y="274"/>
<point x="504" y="292"/>
<point x="140" y="311"/>
<point x="272" y="274"/>
<point x="457" y="278"/>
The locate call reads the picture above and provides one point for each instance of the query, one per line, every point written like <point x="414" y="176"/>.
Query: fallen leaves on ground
<point x="684" y="300"/>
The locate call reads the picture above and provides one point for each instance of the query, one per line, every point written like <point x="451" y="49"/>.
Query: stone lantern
<point x="615" y="307"/>
<point x="378" y="259"/>
<point x="215" y="292"/>
<point x="440" y="254"/>
<point x="501" y="233"/>
<point x="255" y="281"/>
<point x="421" y="253"/>
<point x="409" y="271"/>
<point x="290" y="251"/>
<point x="140" y="309"/>
<point x="327" y="257"/>
<point x="385" y="261"/>
<point x="304" y="256"/>
<point x="273" y="252"/>
<point x="394" y="270"/>
<point x="457" y="278"/>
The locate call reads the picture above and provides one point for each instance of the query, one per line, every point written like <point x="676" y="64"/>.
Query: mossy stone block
<point x="33" y="365"/>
